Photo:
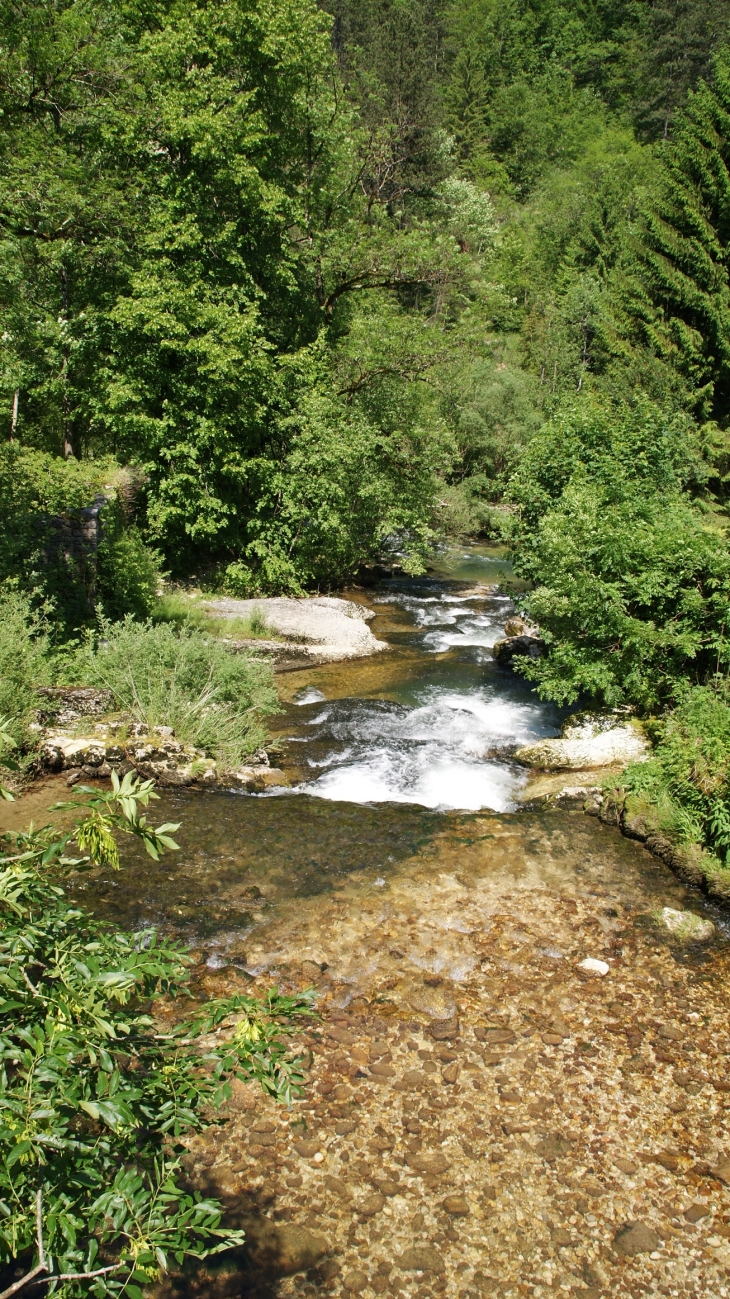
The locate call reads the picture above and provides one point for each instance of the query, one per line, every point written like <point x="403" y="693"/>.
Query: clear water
<point x="433" y="722"/>
<point x="403" y="777"/>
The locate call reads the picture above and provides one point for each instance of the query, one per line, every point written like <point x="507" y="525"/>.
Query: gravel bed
<point x="482" y="1116"/>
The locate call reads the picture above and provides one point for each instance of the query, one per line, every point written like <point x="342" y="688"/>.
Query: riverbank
<point x="484" y="1114"/>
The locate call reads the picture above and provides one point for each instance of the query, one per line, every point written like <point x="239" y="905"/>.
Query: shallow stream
<point x="434" y="720"/>
<point x="482" y="1117"/>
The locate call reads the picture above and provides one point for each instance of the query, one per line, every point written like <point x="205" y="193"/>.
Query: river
<point x="482" y="1116"/>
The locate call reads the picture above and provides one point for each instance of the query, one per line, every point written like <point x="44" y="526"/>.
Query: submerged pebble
<point x="593" y="966"/>
<point x="553" y="1134"/>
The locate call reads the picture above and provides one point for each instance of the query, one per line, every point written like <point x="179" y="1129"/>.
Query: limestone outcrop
<point x="155" y="753"/>
<point x="314" y="629"/>
<point x="588" y="741"/>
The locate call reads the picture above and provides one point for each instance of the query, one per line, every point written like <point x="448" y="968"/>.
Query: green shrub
<point x="240" y="581"/>
<point x="96" y="1097"/>
<point x="35" y="487"/>
<point x="686" y="781"/>
<point x="25" y="662"/>
<point x="128" y="571"/>
<point x="213" y="698"/>
<point x="463" y="510"/>
<point x="639" y="446"/>
<point x="180" y="611"/>
<point x="631" y="595"/>
<point x="630" y="574"/>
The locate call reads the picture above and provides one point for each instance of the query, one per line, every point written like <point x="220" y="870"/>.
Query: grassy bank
<point x="679" y="799"/>
<point x="157" y="673"/>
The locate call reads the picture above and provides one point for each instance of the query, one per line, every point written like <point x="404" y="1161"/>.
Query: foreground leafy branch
<point x="95" y="1102"/>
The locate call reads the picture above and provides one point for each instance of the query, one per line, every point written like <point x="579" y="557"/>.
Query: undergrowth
<point x="25" y="662"/>
<point x="185" y="611"/>
<point x="182" y="677"/>
<point x="96" y="1099"/>
<point x="684" y="786"/>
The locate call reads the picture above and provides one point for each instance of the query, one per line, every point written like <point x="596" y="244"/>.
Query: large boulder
<point x="526" y="643"/>
<point x="313" y="629"/>
<point x="588" y="741"/>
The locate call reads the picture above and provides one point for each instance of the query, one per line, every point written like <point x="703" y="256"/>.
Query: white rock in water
<point x="324" y="628"/>
<point x="586" y="746"/>
<point x="593" y="966"/>
<point x="685" y="924"/>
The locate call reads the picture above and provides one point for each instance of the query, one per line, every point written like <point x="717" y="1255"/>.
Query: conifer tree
<point x="670" y="299"/>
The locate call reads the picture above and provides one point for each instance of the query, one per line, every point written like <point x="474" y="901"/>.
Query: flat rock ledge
<point x="587" y="742"/>
<point x="313" y="629"/>
<point x="156" y="754"/>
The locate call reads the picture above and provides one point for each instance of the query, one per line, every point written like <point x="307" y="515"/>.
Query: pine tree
<point x="668" y="47"/>
<point x="670" y="297"/>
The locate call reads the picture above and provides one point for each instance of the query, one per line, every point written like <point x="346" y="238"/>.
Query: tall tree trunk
<point x="68" y="449"/>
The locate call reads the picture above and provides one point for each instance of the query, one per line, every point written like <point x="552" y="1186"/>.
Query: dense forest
<point x="321" y="277"/>
<point x="305" y="288"/>
<point x="298" y="289"/>
<point x="289" y="290"/>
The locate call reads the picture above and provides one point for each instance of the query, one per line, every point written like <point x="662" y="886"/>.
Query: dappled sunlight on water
<point x="461" y="1047"/>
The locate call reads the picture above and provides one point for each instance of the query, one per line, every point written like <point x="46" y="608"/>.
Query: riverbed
<point x="482" y="1115"/>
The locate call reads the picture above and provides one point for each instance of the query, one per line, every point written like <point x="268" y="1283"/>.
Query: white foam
<point x="479" y="632"/>
<point x="309" y="695"/>
<point x="447" y="784"/>
<point x="444" y="751"/>
<point x="432" y="754"/>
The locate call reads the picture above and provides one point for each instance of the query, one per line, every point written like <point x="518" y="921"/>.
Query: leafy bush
<point x="94" y="1100"/>
<point x="632" y="597"/>
<point x="127" y="570"/>
<point x="683" y="789"/>
<point x="631" y="578"/>
<point x="639" y="445"/>
<point x="213" y="698"/>
<point x="35" y="487"/>
<point x="463" y="510"/>
<point x="25" y="662"/>
<point x="686" y="781"/>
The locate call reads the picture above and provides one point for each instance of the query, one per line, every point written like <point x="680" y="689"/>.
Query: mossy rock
<point x="684" y="926"/>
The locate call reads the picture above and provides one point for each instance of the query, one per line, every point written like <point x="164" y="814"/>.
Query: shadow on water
<point x="240" y="856"/>
<point x="254" y="871"/>
<point x="409" y="758"/>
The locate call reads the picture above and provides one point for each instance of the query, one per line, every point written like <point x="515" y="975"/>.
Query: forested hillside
<point x="321" y="275"/>
<point x="326" y="283"/>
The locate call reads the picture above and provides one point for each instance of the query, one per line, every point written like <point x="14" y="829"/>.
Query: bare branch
<point x="24" y="1280"/>
<point x="41" y="1264"/>
<point x="33" y="989"/>
<point x="83" y="1276"/>
<point x="39" y="1227"/>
